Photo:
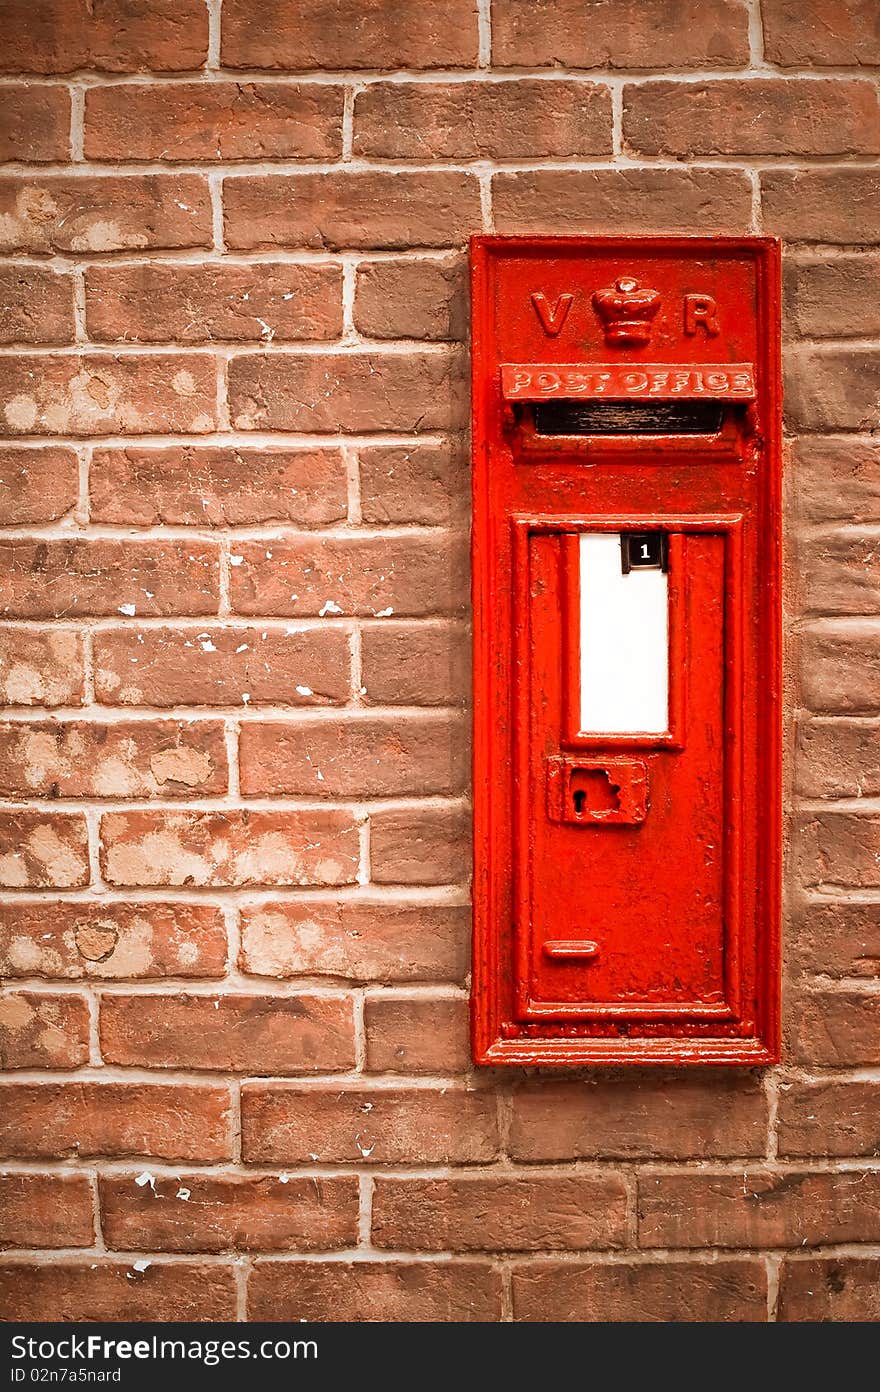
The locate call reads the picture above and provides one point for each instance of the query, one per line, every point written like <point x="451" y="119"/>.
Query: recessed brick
<point x="411" y="299"/>
<point x="838" y="666"/>
<point x="415" y="664"/>
<point x="43" y="850"/>
<point x="37" y="483"/>
<point x="838" y="848"/>
<point x="37" y="305"/>
<point x="822" y="205"/>
<point x="840" y="573"/>
<point x="43" y="1031"/>
<point x="420" y="1035"/>
<point x="835" y="1029"/>
<point x="97" y="213"/>
<point x="833" y="388"/>
<point x="832" y="298"/>
<point x="429" y="845"/>
<point x="836" y="479"/>
<point x="833" y="1118"/>
<point x="838" y="758"/>
<point x="76" y="578"/>
<point x="427" y="483"/>
<point x="35" y="123"/>
<point x="137" y="760"/>
<point x="41" y="668"/>
<point x="837" y="938"/>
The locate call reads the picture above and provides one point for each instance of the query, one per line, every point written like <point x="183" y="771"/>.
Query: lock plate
<point x="590" y="793"/>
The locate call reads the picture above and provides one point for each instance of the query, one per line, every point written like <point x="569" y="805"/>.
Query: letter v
<point x="553" y="319"/>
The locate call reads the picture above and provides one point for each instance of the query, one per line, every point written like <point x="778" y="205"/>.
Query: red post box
<point x="626" y="563"/>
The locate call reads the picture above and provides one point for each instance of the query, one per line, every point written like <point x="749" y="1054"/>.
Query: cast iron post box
<point x="626" y="564"/>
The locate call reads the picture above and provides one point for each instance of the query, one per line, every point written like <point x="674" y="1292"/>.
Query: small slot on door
<point x="628" y="417"/>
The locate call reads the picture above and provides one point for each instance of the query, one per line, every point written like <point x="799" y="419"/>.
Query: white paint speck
<point x="305" y="691"/>
<point x="183" y="1193"/>
<point x="141" y="1265"/>
<point x="145" y="1178"/>
<point x="128" y="609"/>
<point x="330" y="607"/>
<point x="236" y="560"/>
<point x="384" y="613"/>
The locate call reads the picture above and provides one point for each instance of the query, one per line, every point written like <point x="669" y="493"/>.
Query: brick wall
<point x="233" y="659"/>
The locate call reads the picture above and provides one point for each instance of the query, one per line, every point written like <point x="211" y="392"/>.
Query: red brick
<point x="838" y="758"/>
<point x="843" y="1289"/>
<point x="812" y="33"/>
<point x="838" y="666"/>
<point x="620" y="34"/>
<point x="75" y="758"/>
<point x="290" y="1124"/>
<point x="834" y="298"/>
<point x="604" y="200"/>
<point x="107" y="1291"/>
<point x="303" y="34"/>
<point x="822" y="205"/>
<point x="71" y="578"/>
<point x="764" y="116"/>
<point x="234" y="847"/>
<point x="423" y="664"/>
<point x="358" y="756"/>
<point x="412" y="299"/>
<point x="364" y="942"/>
<point x="43" y="1031"/>
<point x="840" y="573"/>
<point x="836" y="479"/>
<point x="362" y="209"/>
<point x="839" y="848"/>
<point x="833" y="1118"/>
<point x="380" y="1292"/>
<point x="41" y="668"/>
<point x="57" y="1121"/>
<point x="222" y="666"/>
<point x="35" y="123"/>
<point x="232" y="1033"/>
<point x="357" y="391"/>
<point x="833" y="388"/>
<point x="352" y="575"/>
<point x="425" y="483"/>
<point x="520" y="119"/>
<point x="108" y="394"/>
<point x="37" y="484"/>
<point x="216" y="120"/>
<point x="152" y="303"/>
<point x="836" y="938"/>
<point x="637" y="1118"/>
<point x="46" y="1211"/>
<point x="640" y="1292"/>
<point x="109" y="941"/>
<point x="836" y="1029"/>
<point x="522" y="1214"/>
<point x="216" y="1213"/>
<point x="37" y="305"/>
<point x="429" y="845"/>
<point x="417" y="1036"/>
<point x="95" y="213"/>
<point x="41" y="850"/>
<point x="59" y="36"/>
<point x="758" y="1209"/>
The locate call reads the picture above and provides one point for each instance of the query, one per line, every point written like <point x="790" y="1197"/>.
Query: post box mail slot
<point x="626" y="545"/>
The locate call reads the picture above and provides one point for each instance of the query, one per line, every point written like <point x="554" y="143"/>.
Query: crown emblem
<point x="627" y="310"/>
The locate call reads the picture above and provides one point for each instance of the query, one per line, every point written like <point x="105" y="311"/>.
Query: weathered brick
<point x="840" y="573"/>
<point x="824" y="1119"/>
<point x="673" y="1117"/>
<point x="40" y="850"/>
<point x="604" y="200"/>
<point x="37" y="305"/>
<point x="303" y="34"/>
<point x="154" y="303"/>
<point x="157" y="1121"/>
<point x="476" y="1213"/>
<point x="417" y="1036"/>
<point x="832" y="298"/>
<point x="358" y="391"/>
<point x="95" y="213"/>
<point x="423" y="664"/>
<point x="757" y="1209"/>
<point x="46" y="1211"/>
<point x="37" y="483"/>
<point x="829" y="387"/>
<point x="290" y="1124"/>
<point x="234" y="847"/>
<point x="425" y="483"/>
<point x="822" y="205"/>
<point x="384" y="1292"/>
<point x="429" y="845"/>
<point x="222" y="666"/>
<point x="838" y="758"/>
<point x="364" y="942"/>
<point x="364" y="210"/>
<point x="411" y="299"/>
<point x="108" y="394"/>
<point x="839" y="848"/>
<point x="838" y="666"/>
<point x="35" y="123"/>
<point x="836" y="1029"/>
<point x="71" y="578"/>
<point x="75" y="758"/>
<point x="373" y="577"/>
<point x="835" y="939"/>
<point x="59" y="36"/>
<point x="813" y="33"/>
<point x="836" y="479"/>
<point x="358" y="756"/>
<point x="764" y="116"/>
<point x="215" y="1213"/>
<point x="43" y="1031"/>
<point x="41" y="668"/>
<point x="641" y="1292"/>
<point x="109" y="941"/>
<point x="232" y="1033"/>
<point x="108" y="1291"/>
<point x="620" y="33"/>
<point x="521" y="119"/>
<point x="843" y="1289"/>
<point x="216" y="120"/>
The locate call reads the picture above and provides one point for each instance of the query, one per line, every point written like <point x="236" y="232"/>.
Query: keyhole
<point x="580" y="799"/>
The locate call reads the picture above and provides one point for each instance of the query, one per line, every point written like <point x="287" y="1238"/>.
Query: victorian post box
<point x="626" y="582"/>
